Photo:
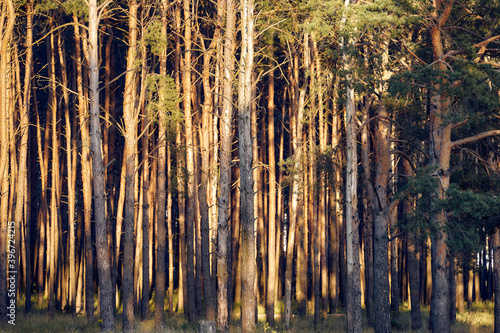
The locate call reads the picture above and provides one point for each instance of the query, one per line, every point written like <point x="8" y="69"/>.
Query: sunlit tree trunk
<point x="271" y="250"/>
<point x="190" y="167"/>
<point x="180" y="182"/>
<point x="130" y="118"/>
<point x="337" y="214"/>
<point x="22" y="184"/>
<point x="146" y="197"/>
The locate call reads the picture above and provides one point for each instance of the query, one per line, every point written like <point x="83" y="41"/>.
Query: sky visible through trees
<point x="208" y="158"/>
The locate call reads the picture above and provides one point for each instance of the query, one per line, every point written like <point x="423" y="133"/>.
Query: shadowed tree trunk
<point x="208" y="110"/>
<point x="413" y="264"/>
<point x="352" y="220"/>
<point x="103" y="261"/>
<point x="86" y="177"/>
<point x="296" y="200"/>
<point x="368" y="197"/>
<point x="160" y="235"/>
<point x="496" y="278"/>
<point x="245" y="88"/>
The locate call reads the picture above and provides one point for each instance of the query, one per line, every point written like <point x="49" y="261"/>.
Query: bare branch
<point x="475" y="138"/>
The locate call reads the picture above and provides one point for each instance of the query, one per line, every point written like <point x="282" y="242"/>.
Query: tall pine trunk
<point x="190" y="162"/>
<point x="103" y="261"/>
<point x="353" y="291"/>
<point x="271" y="251"/>
<point x="160" y="239"/>
<point x="245" y="88"/>
<point x="224" y="204"/>
<point x="129" y="155"/>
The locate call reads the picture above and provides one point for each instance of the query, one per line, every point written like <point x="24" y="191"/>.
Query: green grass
<point x="477" y="319"/>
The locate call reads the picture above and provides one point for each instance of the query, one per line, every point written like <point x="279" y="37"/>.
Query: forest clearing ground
<point x="477" y="319"/>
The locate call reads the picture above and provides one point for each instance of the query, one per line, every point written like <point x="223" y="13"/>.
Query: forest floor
<point x="479" y="318"/>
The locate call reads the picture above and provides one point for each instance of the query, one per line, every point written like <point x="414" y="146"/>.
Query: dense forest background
<point x="209" y="157"/>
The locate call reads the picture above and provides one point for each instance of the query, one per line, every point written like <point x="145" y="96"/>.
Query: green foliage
<point x="42" y="6"/>
<point x="154" y="38"/>
<point x="326" y="163"/>
<point x="470" y="217"/>
<point x="472" y="89"/>
<point x="76" y="7"/>
<point x="422" y="191"/>
<point x="288" y="168"/>
<point x="162" y="97"/>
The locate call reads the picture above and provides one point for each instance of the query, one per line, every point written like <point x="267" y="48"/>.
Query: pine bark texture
<point x="103" y="262"/>
<point x="245" y="87"/>
<point x="224" y="203"/>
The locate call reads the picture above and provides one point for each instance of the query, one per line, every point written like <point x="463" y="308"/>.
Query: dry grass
<point x="477" y="319"/>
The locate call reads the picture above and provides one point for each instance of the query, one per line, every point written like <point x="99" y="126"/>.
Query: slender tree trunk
<point x="271" y="251"/>
<point x="413" y="264"/>
<point x="352" y="219"/>
<point x="7" y="25"/>
<point x="86" y="177"/>
<point x="460" y="291"/>
<point x="190" y="167"/>
<point x="368" y="196"/>
<point x="296" y="209"/>
<point x="22" y="184"/>
<point x="160" y="277"/>
<point x="105" y="289"/>
<point x="145" y="219"/>
<point x="208" y="109"/>
<point x="440" y="149"/>
<point x="223" y="240"/>
<point x="453" y="289"/>
<point x="71" y="169"/>
<point x="336" y="238"/>
<point x="129" y="155"/>
<point x="245" y="87"/>
<point x="496" y="278"/>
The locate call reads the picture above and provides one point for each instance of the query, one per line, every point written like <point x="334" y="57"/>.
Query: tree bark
<point x="496" y="278"/>
<point x="160" y="235"/>
<point x="271" y="251"/>
<point x="190" y="167"/>
<point x="245" y="87"/>
<point x="208" y="110"/>
<point x="103" y="264"/>
<point x="22" y="183"/>
<point x="226" y="117"/>
<point x="440" y="149"/>
<point x="352" y="220"/>
<point x="130" y="118"/>
<point x="368" y="197"/>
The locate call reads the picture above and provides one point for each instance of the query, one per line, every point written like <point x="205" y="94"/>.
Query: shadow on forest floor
<point x="479" y="318"/>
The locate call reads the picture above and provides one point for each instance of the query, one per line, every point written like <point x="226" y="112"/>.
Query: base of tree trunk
<point x="206" y="326"/>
